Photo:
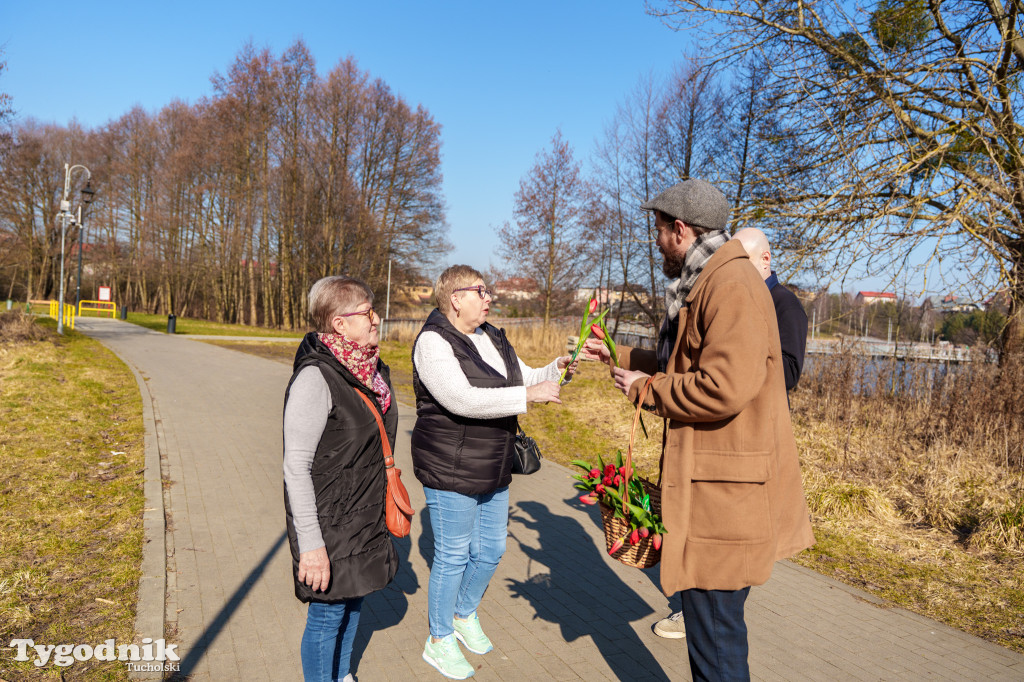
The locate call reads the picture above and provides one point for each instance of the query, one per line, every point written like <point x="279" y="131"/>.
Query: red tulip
<point x="593" y="306"/>
<point x="656" y="541"/>
<point x="622" y="470"/>
<point x="634" y="537"/>
<point x="607" y="480"/>
<point x="617" y="480"/>
<point x="595" y="473"/>
<point x="644" y="532"/>
<point x="618" y="545"/>
<point x="609" y="469"/>
<point x="588" y="499"/>
<point x="599" y="488"/>
<point x="597" y="331"/>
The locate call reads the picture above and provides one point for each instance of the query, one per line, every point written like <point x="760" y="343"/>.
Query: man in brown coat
<point x="732" y="498"/>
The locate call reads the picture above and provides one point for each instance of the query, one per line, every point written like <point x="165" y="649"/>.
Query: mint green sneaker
<point x="447" y="657"/>
<point x="472" y="635"/>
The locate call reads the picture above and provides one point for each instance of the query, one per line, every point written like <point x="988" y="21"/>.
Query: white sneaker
<point x="671" y="627"/>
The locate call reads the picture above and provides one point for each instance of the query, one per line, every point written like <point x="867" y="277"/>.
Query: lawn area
<point x="71" y="497"/>
<point x="188" y="325"/>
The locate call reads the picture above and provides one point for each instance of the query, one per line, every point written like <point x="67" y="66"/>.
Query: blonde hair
<point x="455" y="277"/>
<point x="333" y="295"/>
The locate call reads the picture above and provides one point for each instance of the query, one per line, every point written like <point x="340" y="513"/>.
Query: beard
<point x="673" y="265"/>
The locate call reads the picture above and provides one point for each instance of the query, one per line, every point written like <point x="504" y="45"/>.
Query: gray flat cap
<point x="695" y="202"/>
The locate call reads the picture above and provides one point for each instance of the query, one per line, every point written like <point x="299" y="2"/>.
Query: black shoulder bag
<point x="526" y="457"/>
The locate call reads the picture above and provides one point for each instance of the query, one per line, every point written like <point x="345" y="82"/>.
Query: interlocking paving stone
<point x="560" y="608"/>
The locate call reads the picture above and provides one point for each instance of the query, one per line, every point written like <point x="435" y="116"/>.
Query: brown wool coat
<point x="732" y="497"/>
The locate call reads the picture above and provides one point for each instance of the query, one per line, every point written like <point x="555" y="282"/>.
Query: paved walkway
<point x="558" y="609"/>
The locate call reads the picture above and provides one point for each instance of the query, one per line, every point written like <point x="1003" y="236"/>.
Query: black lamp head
<point x="87" y="193"/>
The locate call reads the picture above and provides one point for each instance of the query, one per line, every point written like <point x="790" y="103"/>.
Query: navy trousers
<point x="716" y="634"/>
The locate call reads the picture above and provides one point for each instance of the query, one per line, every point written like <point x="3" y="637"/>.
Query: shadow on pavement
<point x="386" y="608"/>
<point x="603" y="606"/>
<point x="213" y="630"/>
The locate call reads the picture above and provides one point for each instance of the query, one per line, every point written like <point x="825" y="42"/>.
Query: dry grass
<point x="71" y="465"/>
<point x="916" y="482"/>
<point x="16" y="327"/>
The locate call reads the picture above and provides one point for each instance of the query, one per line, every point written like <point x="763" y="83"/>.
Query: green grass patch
<point x="71" y="500"/>
<point x="188" y="325"/>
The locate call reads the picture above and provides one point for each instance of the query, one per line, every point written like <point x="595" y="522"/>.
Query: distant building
<point x="516" y="289"/>
<point x="870" y="297"/>
<point x="999" y="302"/>
<point x="418" y="293"/>
<point x="950" y="304"/>
<point x="607" y="296"/>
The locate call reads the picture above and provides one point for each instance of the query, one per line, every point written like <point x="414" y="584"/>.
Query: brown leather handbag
<point x="398" y="509"/>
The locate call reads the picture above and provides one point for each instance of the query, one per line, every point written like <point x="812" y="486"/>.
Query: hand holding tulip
<point x="594" y="349"/>
<point x="568" y="365"/>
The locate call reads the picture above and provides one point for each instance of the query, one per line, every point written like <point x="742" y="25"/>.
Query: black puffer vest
<point x="349" y="481"/>
<point x="452" y="452"/>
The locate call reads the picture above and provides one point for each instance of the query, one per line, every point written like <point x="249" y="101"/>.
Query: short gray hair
<point x="333" y="295"/>
<point x="451" y="279"/>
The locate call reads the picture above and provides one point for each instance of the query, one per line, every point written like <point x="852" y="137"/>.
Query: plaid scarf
<point x="362" y="362"/>
<point x="697" y="256"/>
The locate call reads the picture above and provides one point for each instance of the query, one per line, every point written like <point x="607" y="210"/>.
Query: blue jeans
<point x="327" y="641"/>
<point x="469" y="541"/>
<point x="716" y="634"/>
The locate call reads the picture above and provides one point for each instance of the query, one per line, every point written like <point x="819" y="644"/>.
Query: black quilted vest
<point x="349" y="481"/>
<point x="453" y="452"/>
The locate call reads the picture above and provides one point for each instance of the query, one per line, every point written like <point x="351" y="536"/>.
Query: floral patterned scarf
<point x="362" y="362"/>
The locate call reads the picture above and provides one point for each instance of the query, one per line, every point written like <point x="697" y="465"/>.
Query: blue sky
<point x="499" y="77"/>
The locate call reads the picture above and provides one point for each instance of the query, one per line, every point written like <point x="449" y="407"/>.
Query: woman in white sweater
<point x="469" y="388"/>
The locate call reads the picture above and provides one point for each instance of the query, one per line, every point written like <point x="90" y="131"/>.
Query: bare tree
<point x="546" y="237"/>
<point x="905" y="116"/>
<point x="231" y="207"/>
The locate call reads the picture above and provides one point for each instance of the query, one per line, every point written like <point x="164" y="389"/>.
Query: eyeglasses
<point x="368" y="312"/>
<point x="479" y="289"/>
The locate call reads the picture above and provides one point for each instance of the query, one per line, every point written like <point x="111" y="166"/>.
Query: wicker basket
<point x="643" y="554"/>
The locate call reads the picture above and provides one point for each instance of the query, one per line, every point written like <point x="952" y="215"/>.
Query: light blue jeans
<point x="327" y="641"/>
<point x="469" y="541"/>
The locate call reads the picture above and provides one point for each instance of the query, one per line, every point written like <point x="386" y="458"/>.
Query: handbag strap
<point x="389" y="459"/>
<point x="632" y="437"/>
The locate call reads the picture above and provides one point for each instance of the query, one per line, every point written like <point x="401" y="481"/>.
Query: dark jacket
<point x="349" y="481"/>
<point x="463" y="454"/>
<point x="792" y="319"/>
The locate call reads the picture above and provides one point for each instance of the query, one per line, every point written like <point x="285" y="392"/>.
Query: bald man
<point x="788" y="310"/>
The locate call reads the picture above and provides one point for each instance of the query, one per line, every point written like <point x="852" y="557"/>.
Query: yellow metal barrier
<point x="98" y="306"/>
<point x="69" y="313"/>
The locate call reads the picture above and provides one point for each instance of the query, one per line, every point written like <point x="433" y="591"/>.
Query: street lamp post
<point x="87" y="194"/>
<point x="65" y="214"/>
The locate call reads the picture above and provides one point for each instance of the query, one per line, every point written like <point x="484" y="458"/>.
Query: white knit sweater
<point x="441" y="374"/>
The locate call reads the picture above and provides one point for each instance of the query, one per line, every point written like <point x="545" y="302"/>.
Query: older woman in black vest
<point x="469" y="388"/>
<point x="334" y="472"/>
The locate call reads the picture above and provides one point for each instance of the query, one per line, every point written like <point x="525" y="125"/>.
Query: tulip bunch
<point x="606" y="484"/>
<point x="590" y="325"/>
